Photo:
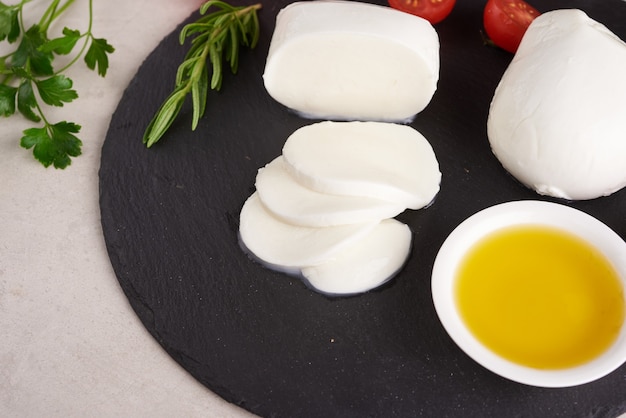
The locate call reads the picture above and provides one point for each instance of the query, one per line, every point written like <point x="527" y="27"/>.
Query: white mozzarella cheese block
<point x="284" y="246"/>
<point x="368" y="159"/>
<point x="369" y="263"/>
<point x="557" y="120"/>
<point x="347" y="60"/>
<point x="290" y="201"/>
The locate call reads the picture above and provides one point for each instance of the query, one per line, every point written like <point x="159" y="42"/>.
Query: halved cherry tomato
<point x="506" y="22"/>
<point x="432" y="10"/>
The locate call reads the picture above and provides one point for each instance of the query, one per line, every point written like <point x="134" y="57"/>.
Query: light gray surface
<point x="71" y="345"/>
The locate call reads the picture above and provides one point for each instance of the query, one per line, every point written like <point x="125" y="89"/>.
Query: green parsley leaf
<point x="27" y="53"/>
<point x="29" y="82"/>
<point x="54" y="145"/>
<point x="20" y="72"/>
<point x="97" y="55"/>
<point x="56" y="90"/>
<point x="8" y="95"/>
<point x="9" y="23"/>
<point x="64" y="44"/>
<point x="26" y="101"/>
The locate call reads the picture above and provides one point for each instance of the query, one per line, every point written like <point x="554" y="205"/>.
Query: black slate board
<point x="263" y="340"/>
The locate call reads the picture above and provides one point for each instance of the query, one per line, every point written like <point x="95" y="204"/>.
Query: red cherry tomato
<point x="432" y="10"/>
<point x="506" y="22"/>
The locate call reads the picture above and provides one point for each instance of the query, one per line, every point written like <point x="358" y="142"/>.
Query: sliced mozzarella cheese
<point x="373" y="159"/>
<point x="369" y="263"/>
<point x="290" y="201"/>
<point x="557" y="121"/>
<point x="348" y="60"/>
<point x="284" y="246"/>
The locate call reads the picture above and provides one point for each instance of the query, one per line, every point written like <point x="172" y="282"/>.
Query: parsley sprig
<point x="218" y="36"/>
<point x="28" y="79"/>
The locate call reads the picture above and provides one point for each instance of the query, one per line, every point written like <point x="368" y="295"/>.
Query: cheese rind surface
<point x="557" y="120"/>
<point x="345" y="60"/>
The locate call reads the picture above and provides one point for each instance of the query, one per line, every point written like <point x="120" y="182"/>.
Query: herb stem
<point x="62" y="9"/>
<point x="87" y="37"/>
<point x="44" y="22"/>
<point x="20" y="7"/>
<point x="52" y="12"/>
<point x="196" y="73"/>
<point x="41" y="114"/>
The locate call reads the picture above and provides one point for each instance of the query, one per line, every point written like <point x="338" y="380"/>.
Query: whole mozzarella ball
<point x="557" y="120"/>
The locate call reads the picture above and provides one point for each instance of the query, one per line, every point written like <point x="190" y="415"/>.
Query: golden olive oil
<point x="540" y="297"/>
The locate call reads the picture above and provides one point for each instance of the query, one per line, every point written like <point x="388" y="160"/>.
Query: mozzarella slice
<point x="372" y="261"/>
<point x="287" y="199"/>
<point x="368" y="159"/>
<point x="348" y="60"/>
<point x="284" y="246"/>
<point x="557" y="121"/>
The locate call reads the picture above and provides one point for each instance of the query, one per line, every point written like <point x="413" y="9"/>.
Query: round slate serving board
<point x="263" y="340"/>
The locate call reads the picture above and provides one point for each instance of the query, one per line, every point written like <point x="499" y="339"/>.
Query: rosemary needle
<point x="216" y="37"/>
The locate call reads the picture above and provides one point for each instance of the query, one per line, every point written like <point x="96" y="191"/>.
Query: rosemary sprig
<point x="218" y="36"/>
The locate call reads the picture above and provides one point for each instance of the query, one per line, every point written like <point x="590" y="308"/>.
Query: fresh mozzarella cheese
<point x="557" y="121"/>
<point x="368" y="159"/>
<point x="369" y="263"/>
<point x="290" y="201"/>
<point x="347" y="60"/>
<point x="284" y="246"/>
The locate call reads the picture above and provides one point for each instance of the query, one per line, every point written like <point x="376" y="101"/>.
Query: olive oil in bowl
<point x="540" y="297"/>
<point x="534" y="292"/>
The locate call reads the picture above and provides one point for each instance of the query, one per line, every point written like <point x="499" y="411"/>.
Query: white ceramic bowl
<point x="520" y="213"/>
